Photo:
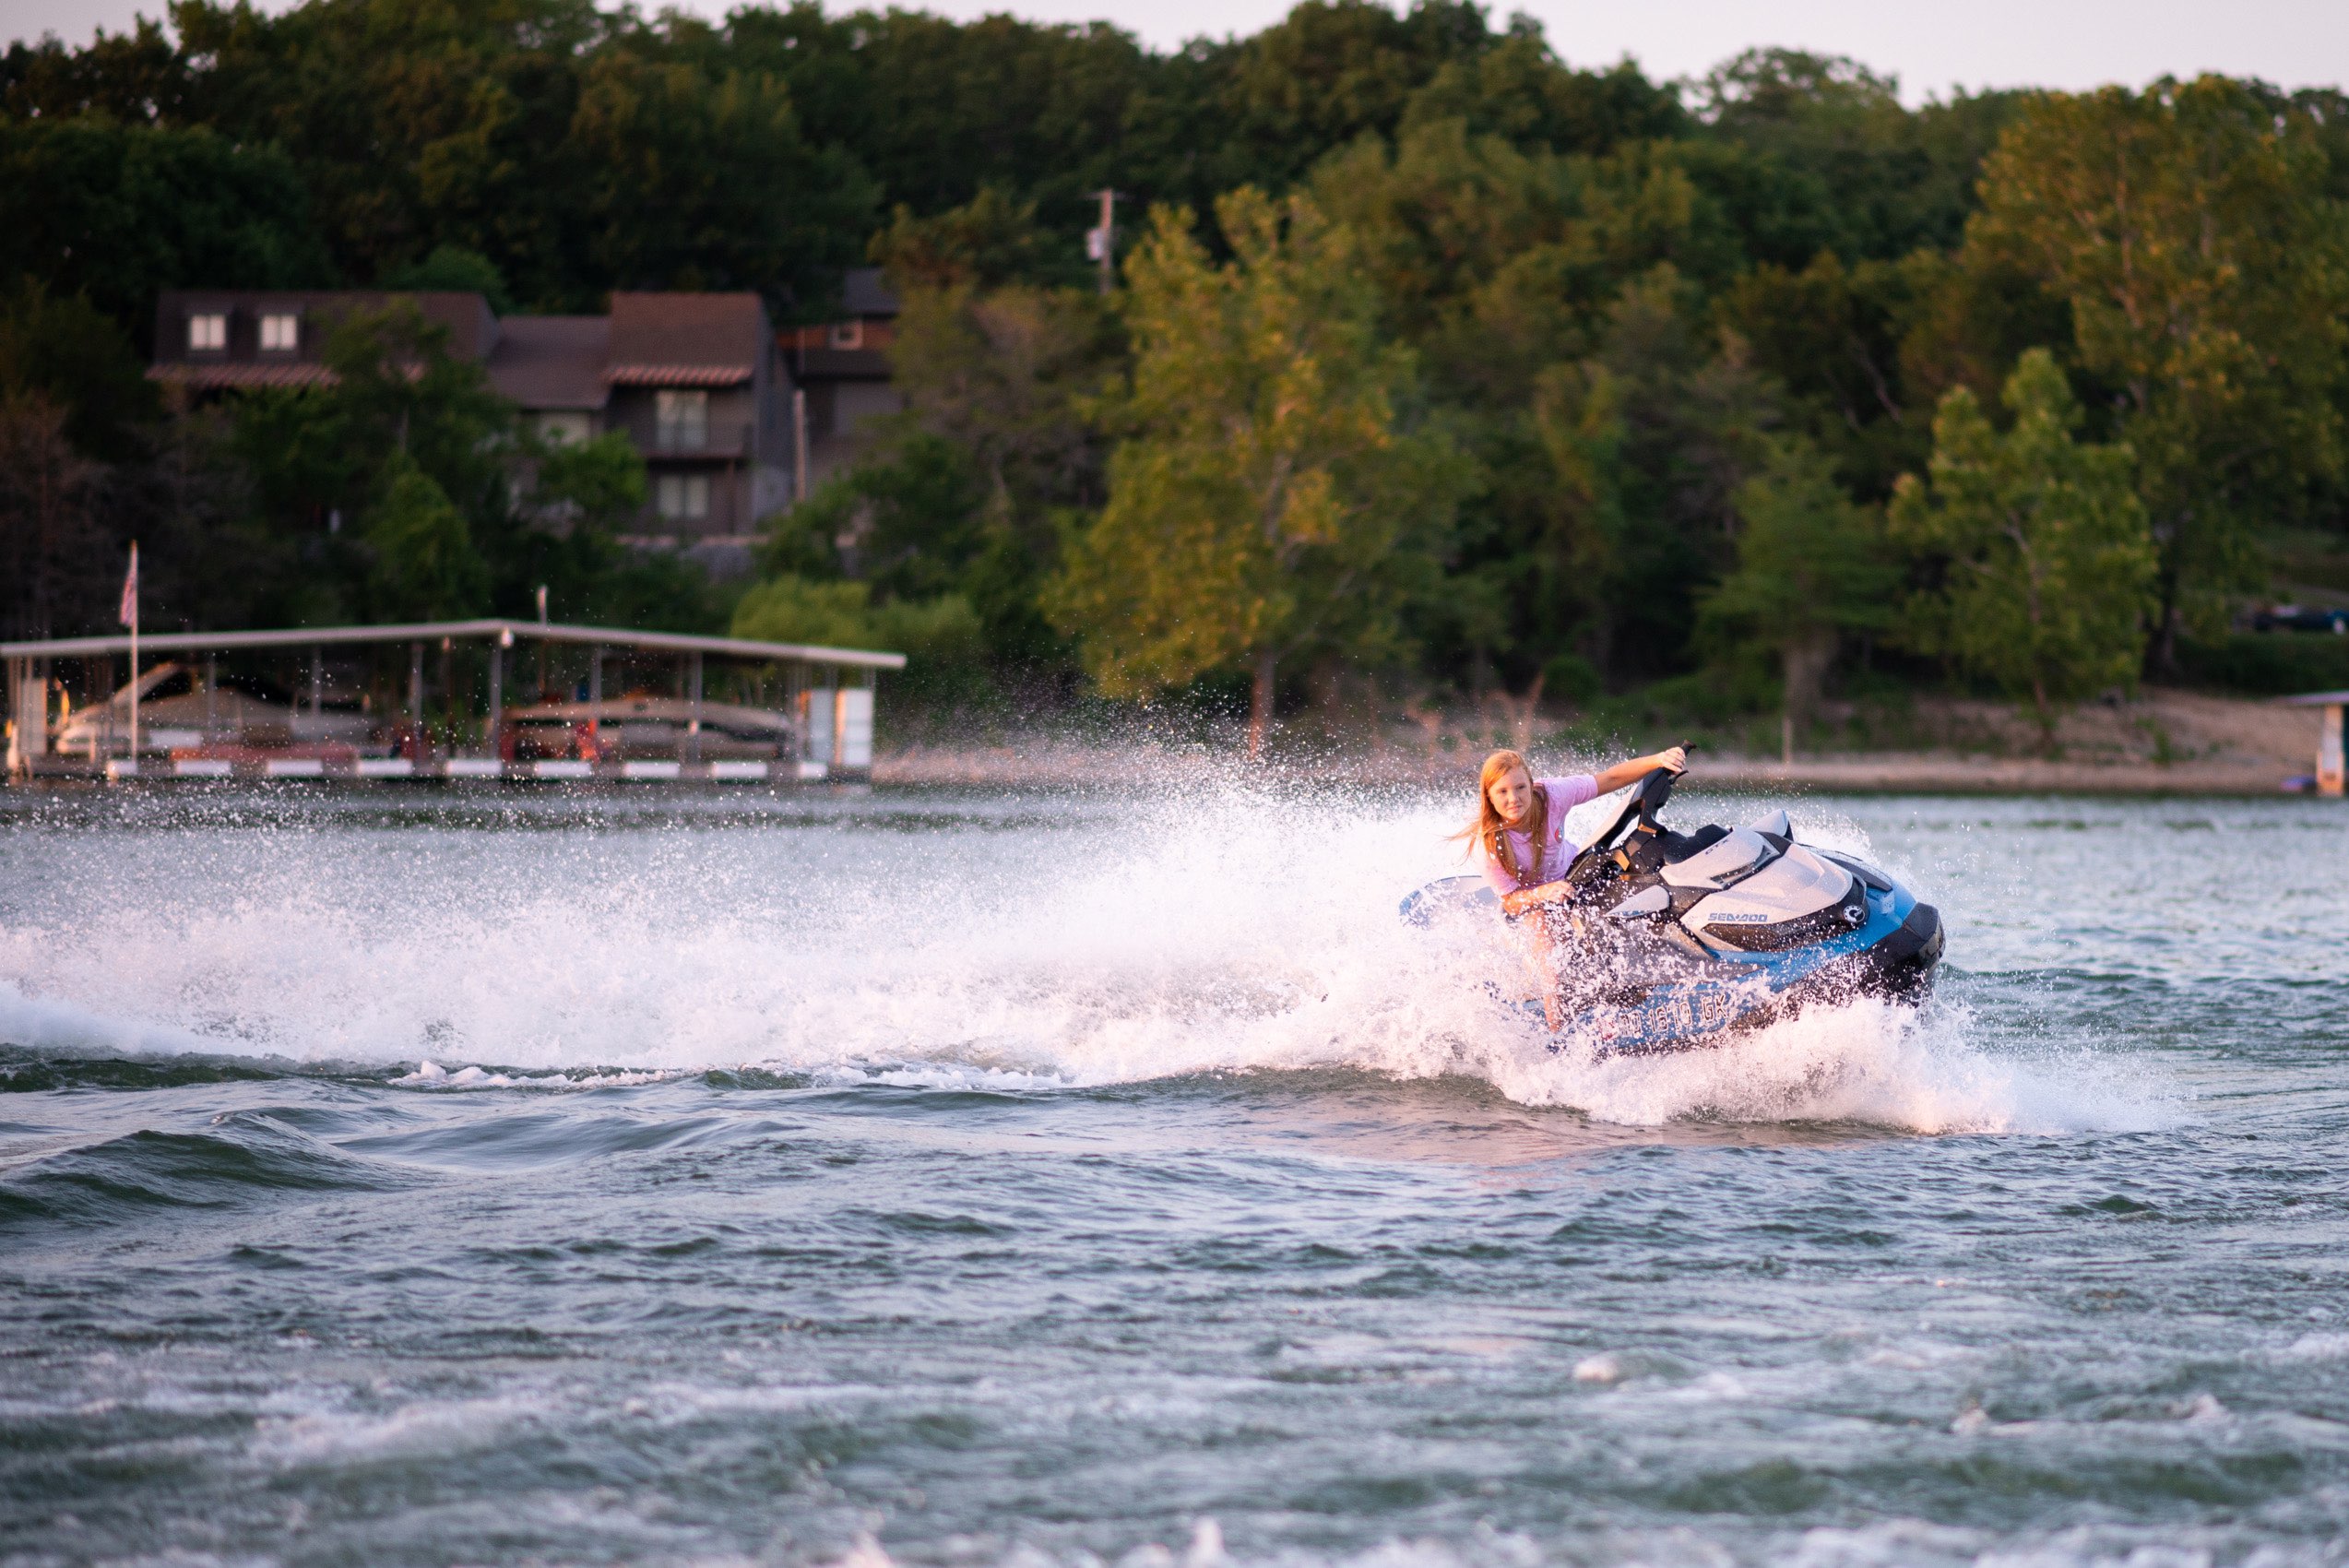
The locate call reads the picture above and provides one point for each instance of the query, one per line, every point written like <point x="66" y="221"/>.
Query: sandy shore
<point x="2167" y="743"/>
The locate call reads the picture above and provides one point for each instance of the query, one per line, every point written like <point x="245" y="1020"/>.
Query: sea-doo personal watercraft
<point x="1671" y="940"/>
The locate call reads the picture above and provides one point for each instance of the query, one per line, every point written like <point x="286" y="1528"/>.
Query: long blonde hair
<point x="1488" y="829"/>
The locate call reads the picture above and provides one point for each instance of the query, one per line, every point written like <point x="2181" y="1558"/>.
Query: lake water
<point x="1030" y="1179"/>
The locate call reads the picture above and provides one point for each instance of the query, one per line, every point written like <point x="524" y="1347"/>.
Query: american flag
<point x="128" y="614"/>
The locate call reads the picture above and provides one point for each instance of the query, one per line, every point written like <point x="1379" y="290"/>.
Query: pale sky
<point x="1932" y="48"/>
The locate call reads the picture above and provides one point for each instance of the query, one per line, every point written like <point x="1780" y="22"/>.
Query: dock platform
<point x="431" y="770"/>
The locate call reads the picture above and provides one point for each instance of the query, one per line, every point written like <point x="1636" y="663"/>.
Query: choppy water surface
<point x="976" y="1179"/>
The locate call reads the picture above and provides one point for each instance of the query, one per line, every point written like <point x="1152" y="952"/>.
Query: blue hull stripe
<point x="1684" y="1011"/>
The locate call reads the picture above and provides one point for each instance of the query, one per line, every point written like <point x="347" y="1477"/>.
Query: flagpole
<point x="130" y="592"/>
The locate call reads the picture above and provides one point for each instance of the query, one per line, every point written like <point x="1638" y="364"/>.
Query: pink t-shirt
<point x="1558" y="851"/>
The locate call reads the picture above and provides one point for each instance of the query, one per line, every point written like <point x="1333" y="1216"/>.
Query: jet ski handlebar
<point x="1648" y="797"/>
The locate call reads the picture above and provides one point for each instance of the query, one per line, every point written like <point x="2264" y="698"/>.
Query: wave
<point x="249" y="1159"/>
<point x="1086" y="943"/>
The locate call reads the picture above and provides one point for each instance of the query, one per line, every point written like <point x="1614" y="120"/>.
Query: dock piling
<point x="416" y="696"/>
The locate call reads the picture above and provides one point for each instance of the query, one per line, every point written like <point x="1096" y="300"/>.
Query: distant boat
<point x="634" y="727"/>
<point x="177" y="716"/>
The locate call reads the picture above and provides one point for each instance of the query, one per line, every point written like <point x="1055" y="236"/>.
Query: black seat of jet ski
<point x="1679" y="847"/>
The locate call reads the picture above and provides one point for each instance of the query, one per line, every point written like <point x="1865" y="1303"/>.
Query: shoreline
<point x="1061" y="765"/>
<point x="2165" y="742"/>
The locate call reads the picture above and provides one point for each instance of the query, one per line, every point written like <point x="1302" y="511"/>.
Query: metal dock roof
<point x="424" y="631"/>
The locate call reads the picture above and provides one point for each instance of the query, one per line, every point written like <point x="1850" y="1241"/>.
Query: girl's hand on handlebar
<point x="1674" y="758"/>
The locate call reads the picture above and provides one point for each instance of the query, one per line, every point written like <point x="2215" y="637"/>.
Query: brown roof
<point x="552" y="362"/>
<point x="679" y="374"/>
<point x="280" y="373"/>
<point x="677" y="330"/>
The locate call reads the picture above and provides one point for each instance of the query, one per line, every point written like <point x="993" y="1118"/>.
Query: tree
<point x="453" y="269"/>
<point x="414" y="126"/>
<point x="941" y="637"/>
<point x="703" y="181"/>
<point x="1648" y="438"/>
<point x="2207" y="271"/>
<point x="597" y="483"/>
<point x="57" y="556"/>
<point x="323" y="457"/>
<point x="425" y="567"/>
<point x="1893" y="179"/>
<point x="1518" y="90"/>
<point x="991" y="240"/>
<point x="116" y="213"/>
<point x="64" y="347"/>
<point x="1274" y="488"/>
<point x="1811" y="566"/>
<point x="2047" y="567"/>
<point x="1328" y="72"/>
<point x="1832" y="335"/>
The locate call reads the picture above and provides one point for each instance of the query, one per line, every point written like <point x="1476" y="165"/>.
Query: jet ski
<point x="1673" y="940"/>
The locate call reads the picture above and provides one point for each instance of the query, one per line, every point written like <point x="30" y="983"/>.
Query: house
<point x="842" y="371"/>
<point x="697" y="382"/>
<point x="214" y="339"/>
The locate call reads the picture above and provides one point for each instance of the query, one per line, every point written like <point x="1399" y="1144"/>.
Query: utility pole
<point x="1101" y="244"/>
<point x="798" y="443"/>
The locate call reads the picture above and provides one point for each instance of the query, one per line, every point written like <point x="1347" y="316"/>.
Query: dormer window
<point x="280" y="333"/>
<point x="207" y="333"/>
<point x="848" y="335"/>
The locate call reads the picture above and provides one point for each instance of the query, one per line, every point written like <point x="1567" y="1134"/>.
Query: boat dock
<point x="440" y="701"/>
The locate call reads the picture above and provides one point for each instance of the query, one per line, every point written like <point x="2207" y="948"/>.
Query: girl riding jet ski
<point x="1666" y="942"/>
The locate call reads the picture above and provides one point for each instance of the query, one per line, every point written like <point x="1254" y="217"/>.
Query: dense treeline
<point x="1435" y="357"/>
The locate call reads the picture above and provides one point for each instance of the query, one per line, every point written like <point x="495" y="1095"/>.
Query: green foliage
<point x="791" y="609"/>
<point x="2272" y="664"/>
<point x="454" y="269"/>
<point x="593" y="578"/>
<point x="1811" y="566"/>
<point x="989" y="241"/>
<point x="1832" y="335"/>
<point x="2047" y="567"/>
<point x="1517" y="91"/>
<point x="599" y="483"/>
<point x="56" y="551"/>
<point x="1331" y="71"/>
<point x="1569" y="677"/>
<point x="2207" y="271"/>
<point x="114" y="213"/>
<point x="1893" y="179"/>
<point x="685" y="168"/>
<point x="586" y="491"/>
<point x="942" y="638"/>
<point x="425" y="565"/>
<point x="1648" y="438"/>
<point x="400" y="398"/>
<point x="65" y="348"/>
<point x="1269" y="499"/>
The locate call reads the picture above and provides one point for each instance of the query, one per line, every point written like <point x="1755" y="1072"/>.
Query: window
<point x="683" y="420"/>
<point x="210" y="331"/>
<point x="280" y="333"/>
<point x="683" y="498"/>
<point x="848" y="335"/>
